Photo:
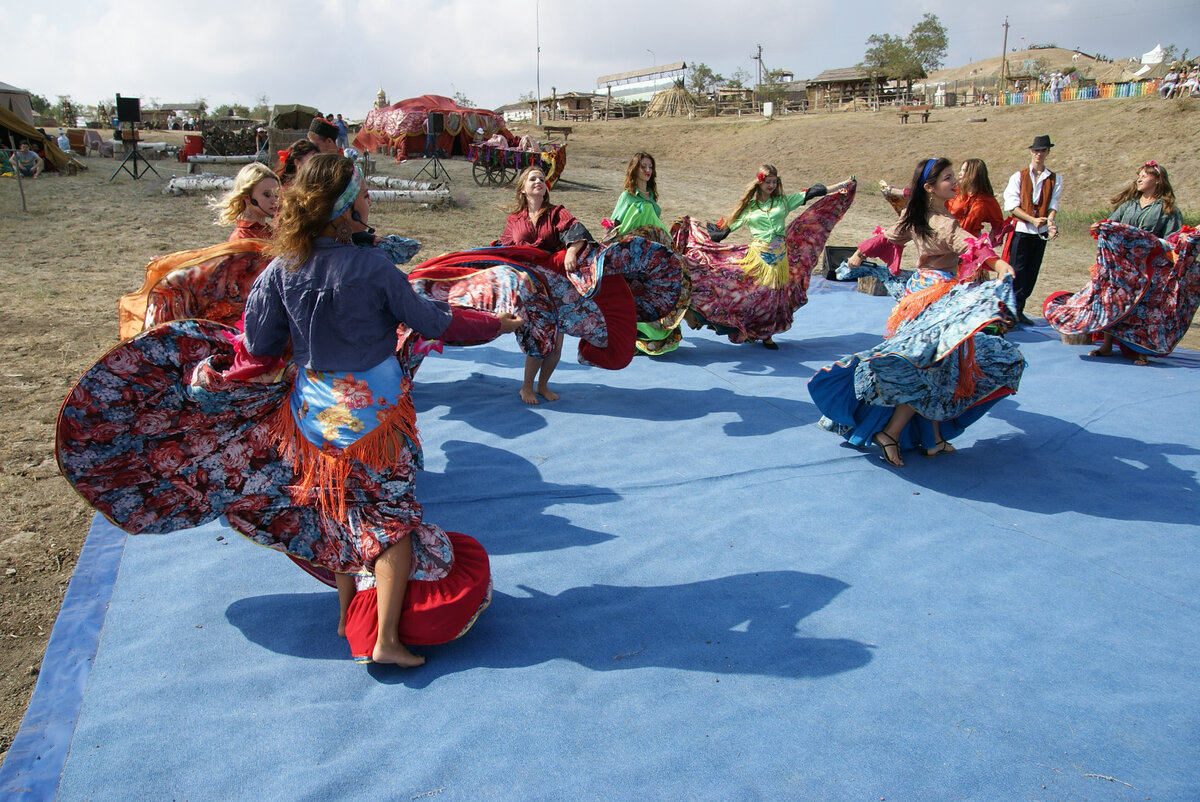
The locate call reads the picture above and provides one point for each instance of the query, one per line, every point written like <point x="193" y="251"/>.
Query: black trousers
<point x="1025" y="255"/>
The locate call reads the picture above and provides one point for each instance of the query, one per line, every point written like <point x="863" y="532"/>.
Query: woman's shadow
<point x="744" y="624"/>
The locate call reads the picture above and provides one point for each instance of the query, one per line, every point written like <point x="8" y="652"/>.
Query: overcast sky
<point x="336" y="54"/>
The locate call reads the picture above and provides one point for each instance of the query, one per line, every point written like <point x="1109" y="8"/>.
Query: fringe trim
<point x="968" y="370"/>
<point x="910" y="306"/>
<point x="774" y="276"/>
<point x="321" y="473"/>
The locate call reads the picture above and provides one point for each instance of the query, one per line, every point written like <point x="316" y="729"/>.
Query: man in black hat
<point x="1032" y="197"/>
<point x="323" y="134"/>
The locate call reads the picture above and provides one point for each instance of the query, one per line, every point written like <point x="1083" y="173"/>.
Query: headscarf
<point x="349" y="194"/>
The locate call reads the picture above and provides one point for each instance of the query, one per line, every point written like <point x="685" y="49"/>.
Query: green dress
<point x="633" y="211"/>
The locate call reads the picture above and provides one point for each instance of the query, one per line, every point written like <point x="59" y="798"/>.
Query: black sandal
<point x="770" y="345"/>
<point x="884" y="445"/>
<point x="940" y="447"/>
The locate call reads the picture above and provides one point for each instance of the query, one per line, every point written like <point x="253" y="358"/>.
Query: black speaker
<point x="437" y="122"/>
<point x="129" y="109"/>
<point x="834" y="256"/>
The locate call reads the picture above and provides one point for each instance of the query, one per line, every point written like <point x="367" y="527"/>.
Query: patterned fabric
<point x="157" y="440"/>
<point x="735" y="300"/>
<point x="599" y="302"/>
<point x="1144" y="290"/>
<point x="214" y="289"/>
<point x="338" y="408"/>
<point x="938" y="363"/>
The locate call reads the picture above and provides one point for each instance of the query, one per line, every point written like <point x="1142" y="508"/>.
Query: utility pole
<point x="537" y="38"/>
<point x="1000" y="85"/>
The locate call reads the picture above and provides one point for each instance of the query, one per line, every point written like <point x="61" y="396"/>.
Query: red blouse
<point x="972" y="211"/>
<point x="546" y="234"/>
<point x="244" y="229"/>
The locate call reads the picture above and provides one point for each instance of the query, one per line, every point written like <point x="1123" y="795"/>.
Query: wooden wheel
<point x="480" y="172"/>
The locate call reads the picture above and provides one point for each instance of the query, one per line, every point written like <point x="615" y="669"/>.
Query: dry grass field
<point x="85" y="240"/>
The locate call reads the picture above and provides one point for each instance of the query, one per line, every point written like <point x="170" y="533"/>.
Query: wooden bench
<point x="553" y="130"/>
<point x="922" y="110"/>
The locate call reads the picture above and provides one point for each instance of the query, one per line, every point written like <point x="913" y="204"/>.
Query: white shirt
<point x="1012" y="197"/>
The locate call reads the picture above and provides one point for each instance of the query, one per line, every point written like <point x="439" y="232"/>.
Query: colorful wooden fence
<point x="1136" y="89"/>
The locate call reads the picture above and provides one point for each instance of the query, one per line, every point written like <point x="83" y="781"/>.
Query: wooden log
<point x="434" y="197"/>
<point x="206" y="159"/>
<point x="386" y="182"/>
<point x="195" y="184"/>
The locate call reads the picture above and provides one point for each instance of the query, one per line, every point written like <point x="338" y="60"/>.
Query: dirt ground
<point x="85" y="240"/>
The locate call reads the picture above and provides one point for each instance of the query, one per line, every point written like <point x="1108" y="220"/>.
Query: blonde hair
<point x="752" y="192"/>
<point x="230" y="206"/>
<point x="522" y="203"/>
<point x="306" y="204"/>
<point x="1162" y="188"/>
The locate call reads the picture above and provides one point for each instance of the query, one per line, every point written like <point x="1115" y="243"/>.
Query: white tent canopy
<point x="1155" y="56"/>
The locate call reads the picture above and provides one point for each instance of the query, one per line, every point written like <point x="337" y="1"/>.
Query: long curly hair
<point x="522" y="203"/>
<point x="1163" y="188"/>
<point x="631" y="181"/>
<point x="306" y="204"/>
<point x="915" y="217"/>
<point x="752" y="192"/>
<point x="229" y="207"/>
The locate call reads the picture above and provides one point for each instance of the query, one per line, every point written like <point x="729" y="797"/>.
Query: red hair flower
<point x="607" y="224"/>
<point x="761" y="177"/>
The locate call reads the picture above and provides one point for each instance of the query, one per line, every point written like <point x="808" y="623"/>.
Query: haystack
<point x="673" y="102"/>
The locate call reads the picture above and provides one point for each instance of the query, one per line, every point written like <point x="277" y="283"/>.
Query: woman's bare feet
<point x="546" y="393"/>
<point x="889" y="449"/>
<point x="1101" y="351"/>
<point x="528" y="395"/>
<point x="396" y="655"/>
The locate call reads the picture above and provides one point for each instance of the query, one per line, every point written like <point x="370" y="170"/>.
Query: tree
<point x="463" y="100"/>
<point x="701" y="79"/>
<point x="929" y="41"/>
<point x="738" y="79"/>
<point x="262" y="108"/>
<point x="39" y="103"/>
<point x="909" y="58"/>
<point x="1171" y="54"/>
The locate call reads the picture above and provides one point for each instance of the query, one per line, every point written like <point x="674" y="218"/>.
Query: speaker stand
<point x="134" y="156"/>
<point x="433" y="166"/>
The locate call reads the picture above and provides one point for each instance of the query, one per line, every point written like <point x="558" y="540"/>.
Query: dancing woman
<point x="535" y="221"/>
<point x="974" y="203"/>
<point x="637" y="213"/>
<point x="1145" y="286"/>
<point x="936" y="372"/>
<point x="751" y="293"/>
<point x="250" y="206"/>
<point x="314" y="456"/>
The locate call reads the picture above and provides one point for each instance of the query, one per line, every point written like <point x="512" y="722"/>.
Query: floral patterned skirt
<point x="734" y="294"/>
<point x="156" y="440"/>
<point x="939" y="363"/>
<point x="1144" y="291"/>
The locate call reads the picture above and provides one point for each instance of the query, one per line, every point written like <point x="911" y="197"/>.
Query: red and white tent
<point x="400" y="127"/>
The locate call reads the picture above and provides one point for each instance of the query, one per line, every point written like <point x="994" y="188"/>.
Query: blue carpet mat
<point x="698" y="594"/>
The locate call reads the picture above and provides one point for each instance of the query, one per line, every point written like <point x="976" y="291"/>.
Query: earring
<point x="341" y="231"/>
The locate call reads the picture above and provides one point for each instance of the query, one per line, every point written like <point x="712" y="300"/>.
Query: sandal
<point x="886" y="441"/>
<point x="940" y="447"/>
<point x="1100" y="352"/>
<point x="770" y="345"/>
<point x="1140" y="359"/>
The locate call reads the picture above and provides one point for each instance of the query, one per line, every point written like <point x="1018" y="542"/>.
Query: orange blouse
<point x="972" y="211"/>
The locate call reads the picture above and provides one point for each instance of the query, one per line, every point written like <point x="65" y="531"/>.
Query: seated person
<point x="1169" y="82"/>
<point x="28" y="162"/>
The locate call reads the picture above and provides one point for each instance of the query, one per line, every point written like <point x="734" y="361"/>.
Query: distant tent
<point x="673" y="102"/>
<point x="1155" y="56"/>
<point x="400" y="127"/>
<point x="20" y="131"/>
<point x="292" y="117"/>
<point x="18" y="101"/>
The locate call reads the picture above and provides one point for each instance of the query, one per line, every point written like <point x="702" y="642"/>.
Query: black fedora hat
<point x="1041" y="143"/>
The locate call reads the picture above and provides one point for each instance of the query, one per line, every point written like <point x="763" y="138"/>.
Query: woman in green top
<point x="752" y="295"/>
<point x="1148" y="203"/>
<point x="637" y="213"/>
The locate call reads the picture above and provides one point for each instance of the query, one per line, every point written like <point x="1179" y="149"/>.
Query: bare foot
<point x="889" y="449"/>
<point x="528" y="395"/>
<point x="1141" y="360"/>
<point x="396" y="655"/>
<point x="547" y="393"/>
<point x="1101" y="352"/>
